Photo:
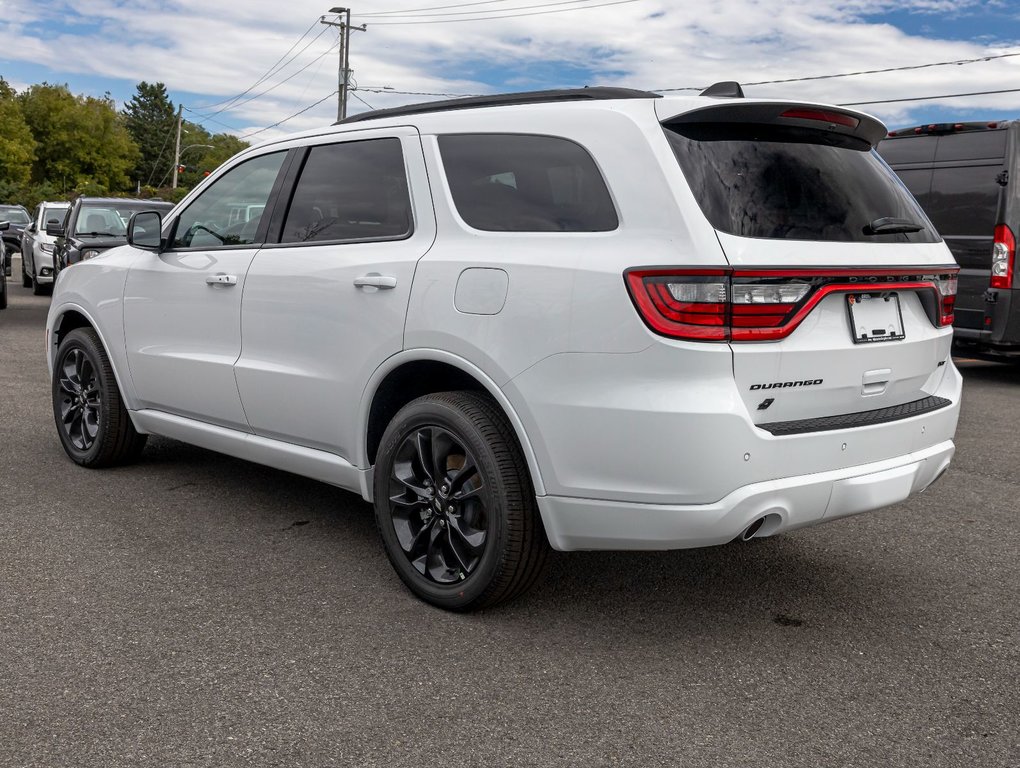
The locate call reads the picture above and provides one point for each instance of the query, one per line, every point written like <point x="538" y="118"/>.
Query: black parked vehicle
<point x="966" y="176"/>
<point x="95" y="224"/>
<point x="4" y="269"/>
<point x="18" y="217"/>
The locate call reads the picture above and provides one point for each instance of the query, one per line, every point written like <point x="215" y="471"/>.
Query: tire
<point x="41" y="289"/>
<point x="459" y="540"/>
<point x="26" y="279"/>
<point x="93" y="425"/>
<point x="3" y="290"/>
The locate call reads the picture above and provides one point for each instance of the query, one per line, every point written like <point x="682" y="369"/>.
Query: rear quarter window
<point x="522" y="183"/>
<point x="787" y="183"/>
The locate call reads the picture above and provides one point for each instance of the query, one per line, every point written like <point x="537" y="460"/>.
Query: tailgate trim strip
<point x="859" y="419"/>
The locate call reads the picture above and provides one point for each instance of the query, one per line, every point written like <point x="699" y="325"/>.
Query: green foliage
<point x="17" y="147"/>
<point x="151" y="120"/>
<point x="55" y="145"/>
<point x="81" y="140"/>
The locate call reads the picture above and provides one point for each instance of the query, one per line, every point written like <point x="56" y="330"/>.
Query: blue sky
<point x="209" y="52"/>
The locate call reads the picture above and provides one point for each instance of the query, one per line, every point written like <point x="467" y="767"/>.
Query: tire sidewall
<point x="424" y="412"/>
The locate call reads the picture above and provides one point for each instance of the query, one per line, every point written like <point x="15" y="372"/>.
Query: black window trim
<point x="294" y="175"/>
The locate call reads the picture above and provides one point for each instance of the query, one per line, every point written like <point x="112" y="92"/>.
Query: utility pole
<point x="344" y="71"/>
<point x="177" y="146"/>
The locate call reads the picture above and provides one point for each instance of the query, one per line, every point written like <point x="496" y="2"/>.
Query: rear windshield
<point x="792" y="183"/>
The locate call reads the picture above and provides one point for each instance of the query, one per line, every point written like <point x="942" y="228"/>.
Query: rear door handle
<point x="376" y="281"/>
<point x="221" y="279"/>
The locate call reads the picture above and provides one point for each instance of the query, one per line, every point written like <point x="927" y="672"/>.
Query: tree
<point x="151" y="119"/>
<point x="211" y="151"/>
<point x="80" y="140"/>
<point x="17" y="147"/>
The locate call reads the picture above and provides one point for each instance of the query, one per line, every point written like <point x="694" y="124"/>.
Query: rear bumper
<point x="786" y="503"/>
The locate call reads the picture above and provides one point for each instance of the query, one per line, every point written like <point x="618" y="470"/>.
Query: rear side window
<point x="792" y="183"/>
<point x="515" y="183"/>
<point x="351" y="191"/>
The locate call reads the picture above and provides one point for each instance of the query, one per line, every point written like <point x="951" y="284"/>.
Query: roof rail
<point x="599" y="93"/>
<point x="727" y="89"/>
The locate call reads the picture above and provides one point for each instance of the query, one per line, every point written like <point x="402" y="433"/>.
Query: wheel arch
<point x="71" y="317"/>
<point x="414" y="373"/>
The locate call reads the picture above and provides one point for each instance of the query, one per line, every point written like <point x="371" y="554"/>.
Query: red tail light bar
<point x="728" y="304"/>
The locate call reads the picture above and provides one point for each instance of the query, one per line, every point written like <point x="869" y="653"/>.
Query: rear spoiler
<point x="805" y="115"/>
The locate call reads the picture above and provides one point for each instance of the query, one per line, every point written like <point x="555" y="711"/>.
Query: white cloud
<point x="219" y="49"/>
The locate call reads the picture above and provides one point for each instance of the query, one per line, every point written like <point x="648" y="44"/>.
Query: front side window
<point x="515" y="183"/>
<point x="351" y="191"/>
<point x="53" y="214"/>
<point x="789" y="183"/>
<point x="14" y="215"/>
<point x="228" y="212"/>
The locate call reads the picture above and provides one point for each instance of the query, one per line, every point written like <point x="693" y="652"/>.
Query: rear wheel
<point x="454" y="503"/>
<point x="93" y="425"/>
<point x="3" y="290"/>
<point x="26" y="279"/>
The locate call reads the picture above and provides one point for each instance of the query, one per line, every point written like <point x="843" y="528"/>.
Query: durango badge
<point x="784" y="384"/>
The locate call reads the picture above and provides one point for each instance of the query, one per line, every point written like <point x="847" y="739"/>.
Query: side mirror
<point x="4" y="226"/>
<point x="143" y="230"/>
<point x="54" y="230"/>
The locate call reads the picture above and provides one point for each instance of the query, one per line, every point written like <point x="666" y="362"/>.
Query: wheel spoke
<point x="473" y="538"/>
<point x="423" y="446"/>
<point x="464" y="559"/>
<point x="463" y="474"/>
<point x="68" y="386"/>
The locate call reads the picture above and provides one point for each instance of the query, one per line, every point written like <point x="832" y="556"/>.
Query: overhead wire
<point x="268" y="73"/>
<point x="287" y="119"/>
<point x="436" y="7"/>
<point x="162" y="149"/>
<point x="509" y="16"/>
<point x="417" y="14"/>
<point x="904" y="68"/>
<point x="929" y="98"/>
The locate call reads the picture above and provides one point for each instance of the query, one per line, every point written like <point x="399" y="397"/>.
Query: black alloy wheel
<point x="92" y="422"/>
<point x="454" y="503"/>
<point x="438" y="504"/>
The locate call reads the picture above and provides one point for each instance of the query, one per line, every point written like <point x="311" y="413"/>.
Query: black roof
<point x="599" y="93"/>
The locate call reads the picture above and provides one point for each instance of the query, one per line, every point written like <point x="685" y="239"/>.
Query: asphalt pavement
<point x="197" y="610"/>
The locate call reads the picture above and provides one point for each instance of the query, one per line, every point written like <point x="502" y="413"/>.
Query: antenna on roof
<point x="727" y="89"/>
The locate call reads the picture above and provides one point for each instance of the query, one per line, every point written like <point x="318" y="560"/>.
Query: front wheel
<point x="92" y="422"/>
<point x="454" y="503"/>
<point x="26" y="280"/>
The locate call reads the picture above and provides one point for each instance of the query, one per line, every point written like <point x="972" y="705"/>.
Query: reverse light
<point x="1003" y="256"/>
<point x="766" y="305"/>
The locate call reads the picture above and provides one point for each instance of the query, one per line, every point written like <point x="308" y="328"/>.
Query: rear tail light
<point x="766" y="305"/>
<point x="823" y="115"/>
<point x="1003" y="256"/>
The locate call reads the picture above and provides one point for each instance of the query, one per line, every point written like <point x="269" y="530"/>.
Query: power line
<point x="437" y="7"/>
<point x="231" y="103"/>
<point x="511" y="16"/>
<point x="173" y="127"/>
<point x="361" y="100"/>
<point x="930" y="98"/>
<point x="957" y="62"/>
<point x="210" y="120"/>
<point x="285" y="80"/>
<point x="268" y="73"/>
<point x="286" y="119"/>
<point x="417" y="15"/>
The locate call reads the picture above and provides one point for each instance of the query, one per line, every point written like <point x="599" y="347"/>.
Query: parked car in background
<point x="4" y="269"/>
<point x="965" y="176"/>
<point x="37" y="268"/>
<point x="585" y="319"/>
<point x="18" y="217"/>
<point x="93" y="225"/>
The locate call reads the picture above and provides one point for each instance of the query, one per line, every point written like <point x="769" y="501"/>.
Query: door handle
<point x="221" y="279"/>
<point x="376" y="281"/>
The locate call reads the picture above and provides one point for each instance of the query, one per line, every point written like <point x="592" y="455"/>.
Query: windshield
<point x="105" y="220"/>
<point x="14" y="215"/>
<point x="795" y="184"/>
<point x="53" y="213"/>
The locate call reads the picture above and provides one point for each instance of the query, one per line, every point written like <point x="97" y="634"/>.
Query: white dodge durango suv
<point x="589" y="319"/>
